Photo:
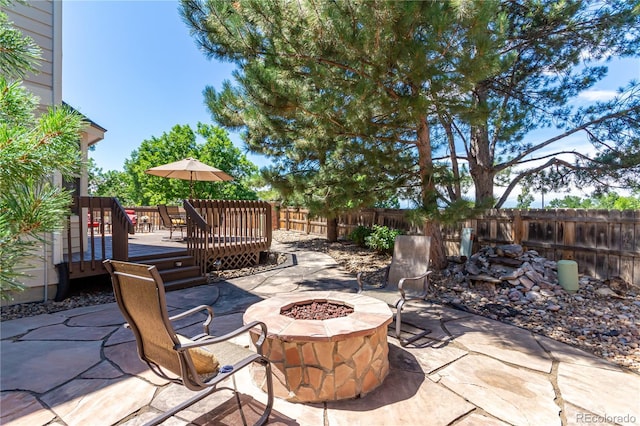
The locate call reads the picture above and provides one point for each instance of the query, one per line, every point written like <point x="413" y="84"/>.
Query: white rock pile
<point x="508" y="284"/>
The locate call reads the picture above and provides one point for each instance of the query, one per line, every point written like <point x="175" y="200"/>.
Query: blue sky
<point x="133" y="68"/>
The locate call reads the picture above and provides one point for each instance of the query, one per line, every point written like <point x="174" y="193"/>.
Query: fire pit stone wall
<point x="324" y="360"/>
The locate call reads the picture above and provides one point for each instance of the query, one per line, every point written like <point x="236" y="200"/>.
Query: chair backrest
<point x="164" y="215"/>
<point x="140" y="295"/>
<point x="410" y="258"/>
<point x="173" y="210"/>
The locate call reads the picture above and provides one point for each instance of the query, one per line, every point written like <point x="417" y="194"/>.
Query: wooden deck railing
<point x="237" y="231"/>
<point x="86" y="246"/>
<point x="198" y="242"/>
<point x="220" y="234"/>
<point x="102" y="214"/>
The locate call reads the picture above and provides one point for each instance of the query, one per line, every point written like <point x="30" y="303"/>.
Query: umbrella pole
<point x="191" y="184"/>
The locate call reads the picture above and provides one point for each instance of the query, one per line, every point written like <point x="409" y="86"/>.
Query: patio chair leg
<point x="237" y="395"/>
<point x="267" y="411"/>
<point x="399" y="321"/>
<point x="403" y="341"/>
<point x="198" y="397"/>
<point x="188" y="403"/>
<point x="265" y="416"/>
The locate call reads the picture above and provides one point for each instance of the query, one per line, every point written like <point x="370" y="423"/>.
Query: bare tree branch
<point x="517" y="159"/>
<point x="529" y="172"/>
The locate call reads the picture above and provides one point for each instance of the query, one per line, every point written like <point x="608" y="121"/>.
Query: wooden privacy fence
<point x="605" y="243"/>
<point x="297" y="219"/>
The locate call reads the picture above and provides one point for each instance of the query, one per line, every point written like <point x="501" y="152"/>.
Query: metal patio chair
<point x="199" y="363"/>
<point x="171" y="221"/>
<point x="406" y="278"/>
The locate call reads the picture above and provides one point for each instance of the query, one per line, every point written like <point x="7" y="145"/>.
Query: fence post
<point x="517" y="227"/>
<point x="286" y="219"/>
<point x="569" y="237"/>
<point x="275" y="215"/>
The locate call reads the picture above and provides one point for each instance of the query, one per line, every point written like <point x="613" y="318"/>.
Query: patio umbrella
<point x="189" y="169"/>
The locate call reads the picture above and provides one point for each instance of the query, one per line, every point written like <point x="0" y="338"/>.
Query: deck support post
<point x="64" y="284"/>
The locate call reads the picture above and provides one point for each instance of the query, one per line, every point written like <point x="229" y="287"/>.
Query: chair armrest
<point x="192" y="311"/>
<point x="209" y="340"/>
<point x="424" y="277"/>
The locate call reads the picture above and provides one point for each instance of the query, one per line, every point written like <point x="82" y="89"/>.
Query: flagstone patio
<point x="80" y="367"/>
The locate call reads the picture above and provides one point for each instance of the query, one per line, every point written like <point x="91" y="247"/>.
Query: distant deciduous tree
<point x="607" y="201"/>
<point x="181" y="142"/>
<point x="570" y="202"/>
<point x="112" y="183"/>
<point x="525" y="199"/>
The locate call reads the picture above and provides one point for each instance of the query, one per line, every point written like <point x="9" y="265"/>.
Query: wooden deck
<point x="151" y="243"/>
<point x="141" y="245"/>
<point x="219" y="234"/>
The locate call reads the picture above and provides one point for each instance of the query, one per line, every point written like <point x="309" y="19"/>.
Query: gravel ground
<point x="601" y="322"/>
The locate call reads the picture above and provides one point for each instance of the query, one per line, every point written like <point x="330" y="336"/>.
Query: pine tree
<point x="410" y="92"/>
<point x="547" y="53"/>
<point x="341" y="108"/>
<point x="32" y="149"/>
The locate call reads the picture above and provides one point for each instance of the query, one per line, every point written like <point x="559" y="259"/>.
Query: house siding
<point x="37" y="19"/>
<point x="42" y="21"/>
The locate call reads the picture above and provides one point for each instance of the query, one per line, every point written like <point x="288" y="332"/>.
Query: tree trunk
<point x="429" y="200"/>
<point x="481" y="156"/>
<point x="332" y="230"/>
<point x="483" y="183"/>
<point x="455" y="191"/>
<point x="425" y="164"/>
<point x="438" y="254"/>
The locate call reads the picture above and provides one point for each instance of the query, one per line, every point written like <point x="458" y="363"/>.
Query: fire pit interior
<point x="323" y="346"/>
<point x="316" y="310"/>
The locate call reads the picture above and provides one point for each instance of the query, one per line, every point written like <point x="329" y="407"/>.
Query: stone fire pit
<point x="323" y="360"/>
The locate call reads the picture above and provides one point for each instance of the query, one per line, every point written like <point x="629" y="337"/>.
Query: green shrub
<point x="382" y="239"/>
<point x="360" y="234"/>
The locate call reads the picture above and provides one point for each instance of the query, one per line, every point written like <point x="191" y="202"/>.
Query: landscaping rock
<point x="584" y="319"/>
<point x="509" y="250"/>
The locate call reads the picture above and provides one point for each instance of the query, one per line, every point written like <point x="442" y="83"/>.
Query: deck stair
<point x="178" y="270"/>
